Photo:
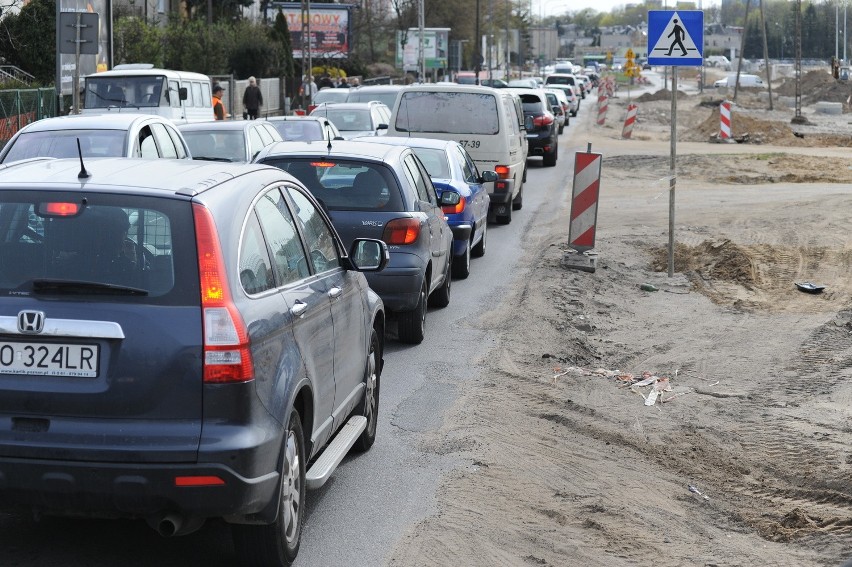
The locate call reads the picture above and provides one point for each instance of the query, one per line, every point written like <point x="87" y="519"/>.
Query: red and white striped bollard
<point x="627" y="131"/>
<point x="603" y="105"/>
<point x="725" y="120"/>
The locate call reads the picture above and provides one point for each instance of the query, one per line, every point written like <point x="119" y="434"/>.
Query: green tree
<point x="134" y="41"/>
<point x="29" y="40"/>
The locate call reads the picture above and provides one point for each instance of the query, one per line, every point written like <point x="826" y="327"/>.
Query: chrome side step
<point x="321" y="470"/>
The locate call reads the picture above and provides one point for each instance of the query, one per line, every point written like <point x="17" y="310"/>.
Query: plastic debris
<point x="652" y="398"/>
<point x="662" y="385"/>
<point x="698" y="492"/>
<point x="648" y="287"/>
<point x="809" y="287"/>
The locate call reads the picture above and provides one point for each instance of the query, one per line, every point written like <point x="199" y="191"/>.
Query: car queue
<point x="203" y="339"/>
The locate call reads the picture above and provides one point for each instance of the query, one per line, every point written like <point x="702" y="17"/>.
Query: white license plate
<point x="49" y="359"/>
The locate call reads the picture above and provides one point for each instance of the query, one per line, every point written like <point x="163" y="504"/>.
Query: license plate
<point x="49" y="359"/>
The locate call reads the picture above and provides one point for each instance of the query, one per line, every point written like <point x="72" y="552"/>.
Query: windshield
<point x="350" y="120"/>
<point x="63" y="144"/>
<point x="217" y="144"/>
<point x="105" y="92"/>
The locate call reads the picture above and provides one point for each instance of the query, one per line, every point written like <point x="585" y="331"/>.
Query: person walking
<point x="252" y="99"/>
<point x="308" y="90"/>
<point x="344" y="84"/>
<point x="218" y="105"/>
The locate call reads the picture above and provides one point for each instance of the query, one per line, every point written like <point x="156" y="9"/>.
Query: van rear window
<point x="448" y="113"/>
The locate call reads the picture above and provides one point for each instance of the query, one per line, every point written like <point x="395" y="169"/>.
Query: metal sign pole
<point x="672" y="177"/>
<point x="76" y="86"/>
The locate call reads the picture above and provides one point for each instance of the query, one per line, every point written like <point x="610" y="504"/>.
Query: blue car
<point x="452" y="169"/>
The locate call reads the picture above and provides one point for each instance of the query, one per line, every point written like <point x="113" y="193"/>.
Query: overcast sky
<point x="555" y="7"/>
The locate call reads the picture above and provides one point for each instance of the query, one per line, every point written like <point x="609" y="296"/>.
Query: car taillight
<point x="311" y="108"/>
<point x="502" y="171"/>
<point x="401" y="231"/>
<point x="454" y="209"/>
<point x="543" y="120"/>
<point x="227" y="354"/>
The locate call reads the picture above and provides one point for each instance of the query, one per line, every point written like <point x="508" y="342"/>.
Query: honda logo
<point x="31" y="322"/>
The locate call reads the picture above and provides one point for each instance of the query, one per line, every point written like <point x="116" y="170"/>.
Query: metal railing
<point x="12" y="73"/>
<point x="19" y="107"/>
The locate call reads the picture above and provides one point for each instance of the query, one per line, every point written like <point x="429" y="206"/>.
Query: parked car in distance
<point x="173" y="349"/>
<point x="557" y="108"/>
<point x="295" y="128"/>
<point x="452" y="169"/>
<point x="566" y="79"/>
<point x="328" y="94"/>
<point x="746" y="80"/>
<point x="382" y="191"/>
<point x="386" y="94"/>
<point x="528" y="83"/>
<point x="101" y="135"/>
<point x="228" y="140"/>
<point x="542" y="135"/>
<point x="355" y="119"/>
<point x="573" y="99"/>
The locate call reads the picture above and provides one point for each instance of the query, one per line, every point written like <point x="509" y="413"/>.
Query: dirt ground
<point x="745" y="456"/>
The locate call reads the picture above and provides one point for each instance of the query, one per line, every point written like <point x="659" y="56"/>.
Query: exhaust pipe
<point x="172" y="525"/>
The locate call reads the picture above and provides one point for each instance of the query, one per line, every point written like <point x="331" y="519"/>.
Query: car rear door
<point x="100" y="328"/>
<point x="440" y="237"/>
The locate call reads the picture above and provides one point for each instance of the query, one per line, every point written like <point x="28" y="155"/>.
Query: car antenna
<point x="329" y="145"/>
<point x="83" y="173"/>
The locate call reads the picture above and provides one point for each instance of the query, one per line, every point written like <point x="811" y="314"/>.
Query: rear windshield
<point x="554" y="80"/>
<point x="343" y="185"/>
<point x="298" y="130"/>
<point x="388" y="98"/>
<point x="448" y="113"/>
<point x="218" y="144"/>
<point x="112" y="247"/>
<point x="63" y="144"/>
<point x="349" y="120"/>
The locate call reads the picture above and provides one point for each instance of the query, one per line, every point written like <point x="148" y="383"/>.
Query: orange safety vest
<point x="218" y="100"/>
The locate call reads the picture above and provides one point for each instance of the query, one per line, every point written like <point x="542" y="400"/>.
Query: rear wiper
<point x="84" y="287"/>
<point x="207" y="158"/>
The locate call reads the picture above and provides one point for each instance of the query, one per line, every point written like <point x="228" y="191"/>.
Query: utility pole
<point x="766" y="54"/>
<point x="742" y="50"/>
<point x="477" y="55"/>
<point x="798" y="118"/>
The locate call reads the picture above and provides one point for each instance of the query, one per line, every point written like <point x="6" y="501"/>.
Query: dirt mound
<point x="759" y="131"/>
<point x="664" y="94"/>
<point x="723" y="261"/>
<point x="817" y="86"/>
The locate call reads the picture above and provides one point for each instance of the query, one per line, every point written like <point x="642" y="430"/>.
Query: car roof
<point x="294" y="117"/>
<point x="335" y="149"/>
<point x="379" y="88"/>
<point x="453" y="87"/>
<point x="413" y="142"/>
<point x="111" y="121"/>
<point x="215" y="125"/>
<point x="168" y="176"/>
<point x="349" y="105"/>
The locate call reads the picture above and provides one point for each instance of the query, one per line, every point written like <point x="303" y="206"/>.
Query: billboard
<point x="435" y="48"/>
<point x="330" y="30"/>
<point x="65" y="62"/>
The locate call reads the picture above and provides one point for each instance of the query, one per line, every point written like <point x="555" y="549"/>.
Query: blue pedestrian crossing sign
<point x="676" y="37"/>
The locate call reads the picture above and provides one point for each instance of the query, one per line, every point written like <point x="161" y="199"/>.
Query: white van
<point x="488" y="122"/>
<point x="752" y="81"/>
<point x="180" y="96"/>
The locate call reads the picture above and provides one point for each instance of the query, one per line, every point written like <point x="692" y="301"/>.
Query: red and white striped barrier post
<point x="725" y="120"/>
<point x="584" y="210"/>
<point x="602" y="108"/>
<point x="627" y="131"/>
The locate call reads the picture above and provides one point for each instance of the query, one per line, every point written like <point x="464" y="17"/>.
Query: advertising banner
<point x="330" y="30"/>
<point x="435" y="48"/>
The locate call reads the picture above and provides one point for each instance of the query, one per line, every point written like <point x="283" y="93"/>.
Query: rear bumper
<point x="399" y="283"/>
<point x="503" y="191"/>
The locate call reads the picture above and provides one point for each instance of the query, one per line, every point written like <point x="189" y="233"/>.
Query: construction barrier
<point x="725" y="119"/>
<point x="603" y="104"/>
<point x="584" y="202"/>
<point x="627" y="131"/>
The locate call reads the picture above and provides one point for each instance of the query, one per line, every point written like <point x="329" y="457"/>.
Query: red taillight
<point x="227" y="354"/>
<point x="401" y="231"/>
<point x="57" y="209"/>
<point x="311" y="108"/>
<point x="454" y="209"/>
<point x="543" y="120"/>
<point x="503" y="171"/>
<point x="198" y="481"/>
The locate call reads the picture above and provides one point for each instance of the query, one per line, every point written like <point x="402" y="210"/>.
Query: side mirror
<point x="182" y="93"/>
<point x="450" y="198"/>
<point x="369" y="255"/>
<point x="556" y="109"/>
<point x="488" y="176"/>
<point x="528" y="123"/>
<point x="382" y="127"/>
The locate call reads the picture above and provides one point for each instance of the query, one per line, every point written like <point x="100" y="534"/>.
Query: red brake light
<point x="322" y="164"/>
<point x="227" y="354"/>
<point x="454" y="209"/>
<point x="401" y="231"/>
<point x="56" y="209"/>
<point x="544" y="120"/>
<point x="198" y="481"/>
<point x="502" y="171"/>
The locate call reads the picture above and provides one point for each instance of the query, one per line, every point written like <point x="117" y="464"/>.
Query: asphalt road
<point x="372" y="499"/>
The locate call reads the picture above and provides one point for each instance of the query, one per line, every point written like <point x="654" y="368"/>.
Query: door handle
<point x="298" y="308"/>
<point x="334" y="292"/>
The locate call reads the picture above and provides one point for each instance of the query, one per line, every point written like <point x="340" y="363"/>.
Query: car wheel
<point x="278" y="542"/>
<point x="561" y="127"/>
<point x="574" y="113"/>
<point x="550" y="157"/>
<point x="412" y="324"/>
<point x="504" y="213"/>
<point x="478" y="250"/>
<point x="370" y="405"/>
<point x="518" y="202"/>
<point x="461" y="264"/>
<point x="441" y="296"/>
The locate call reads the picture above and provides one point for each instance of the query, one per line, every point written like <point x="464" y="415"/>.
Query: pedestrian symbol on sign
<point x="675" y="38"/>
<point x="678" y="33"/>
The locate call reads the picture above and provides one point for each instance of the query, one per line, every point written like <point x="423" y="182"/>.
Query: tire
<point x="370" y="404"/>
<point x="412" y="324"/>
<point x="461" y="264"/>
<point x="518" y="202"/>
<point x="550" y="158"/>
<point x="505" y="218"/>
<point x="441" y="296"/>
<point x="562" y="128"/>
<point x="573" y="113"/>
<point x="278" y="543"/>
<point x="478" y="250"/>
